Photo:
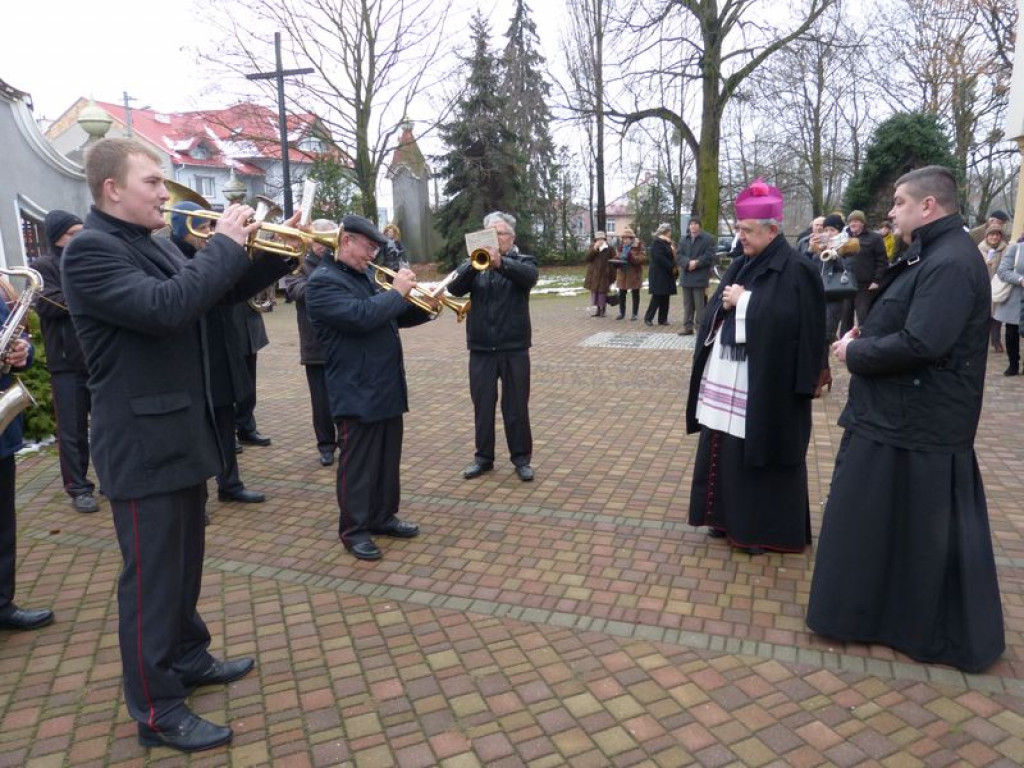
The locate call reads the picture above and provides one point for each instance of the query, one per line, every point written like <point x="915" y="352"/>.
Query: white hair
<point x="496" y="216"/>
<point x="324" y="225"/>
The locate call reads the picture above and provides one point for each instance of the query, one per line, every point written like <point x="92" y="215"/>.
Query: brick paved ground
<point x="573" y="621"/>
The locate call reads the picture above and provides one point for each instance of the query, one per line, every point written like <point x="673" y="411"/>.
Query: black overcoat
<point x="785" y="326"/>
<point x="310" y="352"/>
<point x="138" y="306"/>
<point x="659" y="274"/>
<point x="702" y="249"/>
<point x="63" y="352"/>
<point x="357" y="323"/>
<point x="919" y="364"/>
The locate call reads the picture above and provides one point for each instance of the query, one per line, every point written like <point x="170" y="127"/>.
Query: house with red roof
<point x="201" y="149"/>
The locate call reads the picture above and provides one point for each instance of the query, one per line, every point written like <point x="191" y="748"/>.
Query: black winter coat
<point x="63" y="352"/>
<point x="357" y="325"/>
<point x="870" y="262"/>
<point x="660" y="281"/>
<point x="701" y="248"/>
<point x="499" y="319"/>
<point x="138" y="307"/>
<point x="310" y="352"/>
<point x="919" y="364"/>
<point x="785" y="326"/>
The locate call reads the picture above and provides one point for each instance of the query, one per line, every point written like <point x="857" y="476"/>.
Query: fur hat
<point x="857" y="216"/>
<point x="627" y="232"/>
<point x="58" y="222"/>
<point x="600" y="235"/>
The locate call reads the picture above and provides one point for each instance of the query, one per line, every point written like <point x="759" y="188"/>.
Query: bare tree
<point x="371" y="59"/>
<point x="719" y="45"/>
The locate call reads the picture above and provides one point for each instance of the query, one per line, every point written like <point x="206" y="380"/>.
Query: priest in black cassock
<point x="905" y="557"/>
<point x="755" y="370"/>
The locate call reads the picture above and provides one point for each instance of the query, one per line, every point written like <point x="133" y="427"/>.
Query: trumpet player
<point x="356" y="323"/>
<point x="19" y="357"/>
<point x="499" y="336"/>
<point x="138" y="305"/>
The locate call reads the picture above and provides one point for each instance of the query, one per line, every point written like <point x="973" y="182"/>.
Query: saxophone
<point x="16" y="398"/>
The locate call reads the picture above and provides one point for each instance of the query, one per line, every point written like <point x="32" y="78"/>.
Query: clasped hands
<point x="731" y="295"/>
<point x="839" y="347"/>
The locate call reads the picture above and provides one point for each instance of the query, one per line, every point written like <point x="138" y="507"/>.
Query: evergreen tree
<point x="525" y="92"/>
<point x="902" y="143"/>
<point x="482" y="167"/>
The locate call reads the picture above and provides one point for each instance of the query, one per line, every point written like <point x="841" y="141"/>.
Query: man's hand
<point x="236" y="223"/>
<point x="731" y="295"/>
<point x="692" y="265"/>
<point x="17" y="357"/>
<point x="495" y="257"/>
<point x="293" y="241"/>
<point x="839" y="347"/>
<point x="405" y="281"/>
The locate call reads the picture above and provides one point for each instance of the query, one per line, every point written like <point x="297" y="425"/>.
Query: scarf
<point x="751" y="268"/>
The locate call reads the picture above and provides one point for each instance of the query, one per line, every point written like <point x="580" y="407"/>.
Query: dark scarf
<point x="751" y="268"/>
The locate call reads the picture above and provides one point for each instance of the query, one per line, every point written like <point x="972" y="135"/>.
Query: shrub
<point x="39" y="419"/>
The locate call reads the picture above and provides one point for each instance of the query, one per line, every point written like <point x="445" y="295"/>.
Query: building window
<point x="206" y="186"/>
<point x="199" y="152"/>
<point x="610" y="226"/>
<point x="311" y="144"/>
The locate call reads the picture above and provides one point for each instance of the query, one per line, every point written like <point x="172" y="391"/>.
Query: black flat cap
<point x="364" y="227"/>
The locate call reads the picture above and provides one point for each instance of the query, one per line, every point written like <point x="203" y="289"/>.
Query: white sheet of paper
<point x="485" y="238"/>
<point x="308" y="196"/>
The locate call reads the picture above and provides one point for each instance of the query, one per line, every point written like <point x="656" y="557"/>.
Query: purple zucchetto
<point x="759" y="201"/>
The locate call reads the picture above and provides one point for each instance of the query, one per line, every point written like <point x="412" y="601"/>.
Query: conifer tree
<point x="525" y="92"/>
<point x="483" y="168"/>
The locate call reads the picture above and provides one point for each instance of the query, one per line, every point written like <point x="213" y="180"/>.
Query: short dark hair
<point x="694" y="220"/>
<point x="934" y="181"/>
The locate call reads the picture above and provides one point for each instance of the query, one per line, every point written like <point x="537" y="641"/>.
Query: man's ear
<point x="111" y="191"/>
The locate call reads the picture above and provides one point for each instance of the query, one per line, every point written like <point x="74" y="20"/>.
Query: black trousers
<point x="8" y="534"/>
<point x="323" y="424"/>
<point x="245" y="410"/>
<point x="513" y="370"/>
<point x="369" y="489"/>
<point x="658" y="304"/>
<point x="1013" y="345"/>
<point x="861" y="304"/>
<point x="71" y="403"/>
<point x="228" y="480"/>
<point x="162" y="636"/>
<point x="636" y="301"/>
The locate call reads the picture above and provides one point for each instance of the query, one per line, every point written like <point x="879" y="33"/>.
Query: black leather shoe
<point x="399" y="529"/>
<point x="238" y="446"/>
<point x="648" y="322"/>
<point x="1013" y="370"/>
<point x="191" y="735"/>
<point x="476" y="469"/>
<point x="253" y="438"/>
<point x="21" y="618"/>
<point x="665" y="323"/>
<point x="716" y="533"/>
<point x="220" y="672"/>
<point x="752" y="550"/>
<point x="364" y="550"/>
<point x="242" y="495"/>
<point x="326" y="458"/>
<point x="525" y="473"/>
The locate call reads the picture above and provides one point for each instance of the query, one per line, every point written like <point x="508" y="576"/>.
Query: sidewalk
<point x="576" y="620"/>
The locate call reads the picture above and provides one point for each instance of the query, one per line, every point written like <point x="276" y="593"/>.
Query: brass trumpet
<point x="432" y="301"/>
<point x="480" y="259"/>
<point x="276" y="247"/>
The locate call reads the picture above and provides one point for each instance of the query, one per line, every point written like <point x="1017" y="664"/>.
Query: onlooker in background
<point x="833" y="251"/>
<point x="630" y="275"/>
<point x="69" y="377"/>
<point x="661" y="275"/>
<point x="869" y="263"/>
<point x="696" y="256"/>
<point x="19" y="357"/>
<point x="890" y="240"/>
<point x="1011" y="272"/>
<point x="806" y="243"/>
<point x="998" y="220"/>
<point x="252" y="332"/>
<point x="600" y="272"/>
<point x="992" y="248"/>
<point x="392" y="254"/>
<point x="311" y="355"/>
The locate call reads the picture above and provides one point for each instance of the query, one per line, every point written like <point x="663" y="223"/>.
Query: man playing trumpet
<point x="138" y="306"/>
<point x="357" y="322"/>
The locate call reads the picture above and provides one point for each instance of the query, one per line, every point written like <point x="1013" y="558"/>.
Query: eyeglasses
<point x="504" y="234"/>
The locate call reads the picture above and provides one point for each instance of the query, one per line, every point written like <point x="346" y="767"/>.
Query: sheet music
<point x="485" y="238"/>
<point x="308" y="196"/>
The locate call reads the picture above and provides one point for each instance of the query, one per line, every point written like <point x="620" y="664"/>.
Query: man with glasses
<point x="357" y="326"/>
<point x="498" y="335"/>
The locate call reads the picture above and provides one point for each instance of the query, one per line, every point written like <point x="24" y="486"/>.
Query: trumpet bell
<point x="181" y="194"/>
<point x="480" y="259"/>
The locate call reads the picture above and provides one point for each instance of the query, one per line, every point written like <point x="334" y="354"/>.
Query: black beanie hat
<point x="835" y="221"/>
<point x="57" y="222"/>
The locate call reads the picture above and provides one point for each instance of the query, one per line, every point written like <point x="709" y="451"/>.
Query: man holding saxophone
<point x="357" y="325"/>
<point x="18" y="357"/>
<point x="138" y="306"/>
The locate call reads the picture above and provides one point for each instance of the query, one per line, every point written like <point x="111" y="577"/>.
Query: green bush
<point x="39" y="419"/>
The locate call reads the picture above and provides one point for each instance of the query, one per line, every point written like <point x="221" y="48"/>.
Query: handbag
<point x="1000" y="289"/>
<point x="839" y="283"/>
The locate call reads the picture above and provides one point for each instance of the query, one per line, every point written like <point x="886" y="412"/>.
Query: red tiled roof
<point x="236" y="136"/>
